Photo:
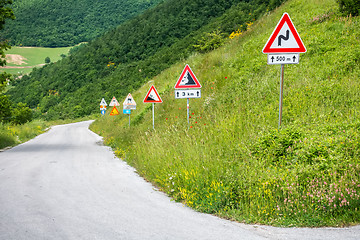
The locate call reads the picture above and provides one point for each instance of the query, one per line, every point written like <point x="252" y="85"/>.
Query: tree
<point x="349" y="6"/>
<point x="47" y="60"/>
<point x="5" y="106"/>
<point x="22" y="114"/>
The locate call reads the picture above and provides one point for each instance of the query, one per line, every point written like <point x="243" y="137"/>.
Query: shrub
<point x="349" y="6"/>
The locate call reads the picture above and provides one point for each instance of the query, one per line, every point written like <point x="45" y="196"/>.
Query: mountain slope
<point x="56" y="23"/>
<point x="232" y="160"/>
<point x="122" y="60"/>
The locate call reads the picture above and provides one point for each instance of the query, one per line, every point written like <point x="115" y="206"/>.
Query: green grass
<point x="233" y="161"/>
<point x="34" y="56"/>
<point x="11" y="135"/>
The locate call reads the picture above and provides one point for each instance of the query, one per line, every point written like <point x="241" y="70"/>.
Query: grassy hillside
<point x="57" y="23"/>
<point x="233" y="161"/>
<point x="23" y="59"/>
<point x="125" y="58"/>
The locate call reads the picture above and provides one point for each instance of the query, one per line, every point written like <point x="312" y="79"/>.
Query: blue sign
<point x="126" y="111"/>
<point x="103" y="112"/>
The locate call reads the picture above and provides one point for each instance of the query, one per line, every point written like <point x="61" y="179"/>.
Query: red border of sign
<point x="187" y="68"/>
<point x="157" y="94"/>
<point x="285" y="18"/>
<point x="113" y="113"/>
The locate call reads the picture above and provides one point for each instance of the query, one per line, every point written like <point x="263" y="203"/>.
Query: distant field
<point x="23" y="59"/>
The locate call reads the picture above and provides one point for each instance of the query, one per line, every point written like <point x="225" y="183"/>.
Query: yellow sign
<point x="114" y="111"/>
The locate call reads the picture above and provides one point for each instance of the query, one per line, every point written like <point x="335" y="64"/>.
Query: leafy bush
<point x="349" y="7"/>
<point x="22" y="114"/>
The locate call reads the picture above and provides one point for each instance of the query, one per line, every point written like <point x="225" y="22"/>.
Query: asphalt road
<point x="65" y="185"/>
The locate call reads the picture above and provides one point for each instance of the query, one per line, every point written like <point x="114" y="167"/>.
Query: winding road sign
<point x="285" y="38"/>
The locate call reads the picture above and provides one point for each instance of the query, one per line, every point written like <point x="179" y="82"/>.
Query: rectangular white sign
<point x="187" y="93"/>
<point x="283" y="58"/>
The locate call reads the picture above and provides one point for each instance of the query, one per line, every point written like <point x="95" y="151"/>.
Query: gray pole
<point x="281" y="93"/>
<point x="129" y="120"/>
<point x="153" y="116"/>
<point x="188" y="109"/>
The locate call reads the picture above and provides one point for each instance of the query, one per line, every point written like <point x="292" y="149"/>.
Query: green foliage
<point x="11" y="135"/>
<point x="21" y="114"/>
<point x="5" y="109"/>
<point x="210" y="41"/>
<point x="124" y="58"/>
<point x="60" y="23"/>
<point x="349" y="7"/>
<point x="232" y="160"/>
<point x="47" y="60"/>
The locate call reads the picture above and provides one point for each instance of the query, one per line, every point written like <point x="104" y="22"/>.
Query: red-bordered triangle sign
<point x="285" y="38"/>
<point x="152" y="96"/>
<point x="187" y="79"/>
<point x="114" y="111"/>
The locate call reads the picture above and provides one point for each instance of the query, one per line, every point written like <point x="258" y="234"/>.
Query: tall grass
<point x="233" y="160"/>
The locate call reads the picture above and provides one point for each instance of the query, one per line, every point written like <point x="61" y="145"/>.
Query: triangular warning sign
<point x="285" y="38"/>
<point x="103" y="102"/>
<point x="187" y="79"/>
<point x="114" y="102"/>
<point x="152" y="96"/>
<point x="114" y="111"/>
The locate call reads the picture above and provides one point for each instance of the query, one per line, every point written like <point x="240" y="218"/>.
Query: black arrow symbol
<point x="197" y="93"/>
<point x="283" y="37"/>
<point x="272" y="59"/>
<point x="294" y="58"/>
<point x="177" y="93"/>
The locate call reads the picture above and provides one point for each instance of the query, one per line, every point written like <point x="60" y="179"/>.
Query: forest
<point x="57" y="23"/>
<point x="124" y="58"/>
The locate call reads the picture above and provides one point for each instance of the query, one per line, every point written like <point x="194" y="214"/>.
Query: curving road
<point x="65" y="185"/>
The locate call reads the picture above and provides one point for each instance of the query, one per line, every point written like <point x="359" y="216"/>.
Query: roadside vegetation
<point x="124" y="58"/>
<point x="57" y="23"/>
<point x="232" y="160"/>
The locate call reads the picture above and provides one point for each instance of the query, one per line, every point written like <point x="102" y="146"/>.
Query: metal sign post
<point x="153" y="115"/>
<point x="283" y="47"/>
<point x="281" y="93"/>
<point x="188" y="111"/>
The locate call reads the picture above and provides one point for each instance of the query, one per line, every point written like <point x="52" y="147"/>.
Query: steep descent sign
<point x="187" y="79"/>
<point x="152" y="96"/>
<point x="285" y="38"/>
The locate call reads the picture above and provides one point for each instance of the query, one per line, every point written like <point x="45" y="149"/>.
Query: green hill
<point x="125" y="58"/>
<point x="56" y="23"/>
<point x="232" y="160"/>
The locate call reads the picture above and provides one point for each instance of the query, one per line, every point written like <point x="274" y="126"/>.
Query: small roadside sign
<point x="129" y="102"/>
<point x="103" y="112"/>
<point x="152" y="96"/>
<point x="285" y="38"/>
<point x="114" y="102"/>
<point x="103" y="103"/>
<point x="187" y="79"/>
<point x="187" y="93"/>
<point x="283" y="58"/>
<point x="283" y="47"/>
<point x="126" y="111"/>
<point x="114" y="111"/>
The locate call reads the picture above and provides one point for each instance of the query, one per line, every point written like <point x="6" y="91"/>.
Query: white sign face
<point x="129" y="102"/>
<point x="114" y="102"/>
<point x="283" y="58"/>
<point x="285" y="38"/>
<point x="187" y="93"/>
<point x="103" y="103"/>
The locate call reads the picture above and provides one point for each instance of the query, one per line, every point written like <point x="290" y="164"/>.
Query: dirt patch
<point x="15" y="59"/>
